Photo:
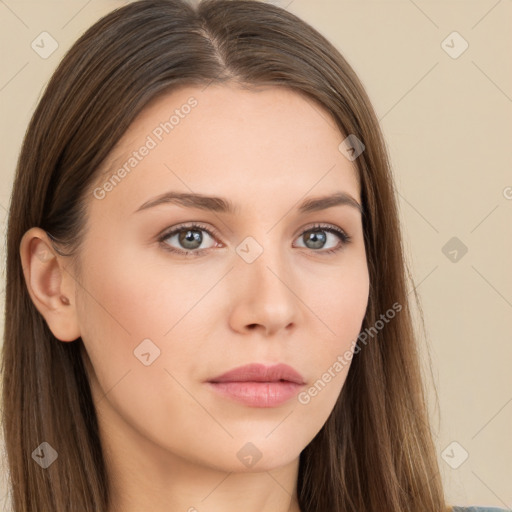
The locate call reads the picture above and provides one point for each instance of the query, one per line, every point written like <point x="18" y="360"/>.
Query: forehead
<point x="263" y="142"/>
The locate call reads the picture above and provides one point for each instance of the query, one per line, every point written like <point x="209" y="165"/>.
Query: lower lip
<point x="258" y="394"/>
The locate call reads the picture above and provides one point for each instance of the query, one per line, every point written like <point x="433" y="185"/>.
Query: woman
<point x="206" y="296"/>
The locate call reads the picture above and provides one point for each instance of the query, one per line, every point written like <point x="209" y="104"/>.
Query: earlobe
<point x="50" y="285"/>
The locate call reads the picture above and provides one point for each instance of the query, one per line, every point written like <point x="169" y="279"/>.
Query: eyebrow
<point x="221" y="205"/>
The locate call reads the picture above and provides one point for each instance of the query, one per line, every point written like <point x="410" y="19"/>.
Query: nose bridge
<point x="265" y="295"/>
<point x="264" y="259"/>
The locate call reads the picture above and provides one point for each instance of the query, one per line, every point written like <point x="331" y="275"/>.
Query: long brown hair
<point x="375" y="453"/>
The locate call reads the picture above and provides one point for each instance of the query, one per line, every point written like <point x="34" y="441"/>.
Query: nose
<point x="265" y="296"/>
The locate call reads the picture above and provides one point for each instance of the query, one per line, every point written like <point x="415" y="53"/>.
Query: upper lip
<point x="256" y="372"/>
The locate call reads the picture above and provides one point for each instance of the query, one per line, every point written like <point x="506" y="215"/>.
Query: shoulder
<point x="477" y="509"/>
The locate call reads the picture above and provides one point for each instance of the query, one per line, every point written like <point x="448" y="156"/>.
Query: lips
<point x="258" y="385"/>
<point x="261" y="373"/>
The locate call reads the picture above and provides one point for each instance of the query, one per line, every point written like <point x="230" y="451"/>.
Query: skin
<point x="171" y="442"/>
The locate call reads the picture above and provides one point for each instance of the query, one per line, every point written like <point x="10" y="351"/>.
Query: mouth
<point x="257" y="385"/>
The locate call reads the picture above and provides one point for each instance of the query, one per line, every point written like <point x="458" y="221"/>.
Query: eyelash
<point x="345" y="239"/>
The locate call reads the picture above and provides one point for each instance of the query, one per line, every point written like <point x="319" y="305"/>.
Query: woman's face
<point x="258" y="286"/>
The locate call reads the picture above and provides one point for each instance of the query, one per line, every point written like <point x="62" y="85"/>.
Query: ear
<point x="50" y="284"/>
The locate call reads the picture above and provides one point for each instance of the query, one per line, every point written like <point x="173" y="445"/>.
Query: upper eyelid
<point x="213" y="232"/>
<point x="187" y="225"/>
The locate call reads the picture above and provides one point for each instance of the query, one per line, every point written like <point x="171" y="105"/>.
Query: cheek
<point x="128" y="310"/>
<point x="138" y="293"/>
<point x="135" y="303"/>
<point x="339" y="307"/>
<point x="340" y="300"/>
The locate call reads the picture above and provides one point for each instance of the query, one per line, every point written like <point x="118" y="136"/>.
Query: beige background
<point x="448" y="125"/>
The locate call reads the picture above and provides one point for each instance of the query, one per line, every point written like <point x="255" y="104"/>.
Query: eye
<point x="311" y="236"/>
<point x="190" y="238"/>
